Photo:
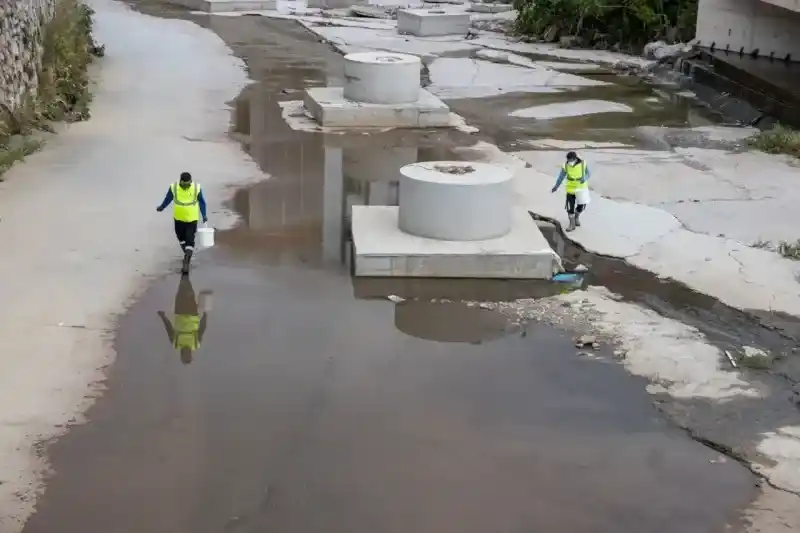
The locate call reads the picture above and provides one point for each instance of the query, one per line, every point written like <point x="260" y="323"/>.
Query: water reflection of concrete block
<point x="377" y="164"/>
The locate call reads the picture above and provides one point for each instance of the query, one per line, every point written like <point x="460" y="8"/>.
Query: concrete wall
<point x="21" y="37"/>
<point x="752" y="24"/>
<point x="791" y="5"/>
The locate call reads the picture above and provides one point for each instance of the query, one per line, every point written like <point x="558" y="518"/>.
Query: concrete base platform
<point x="490" y="8"/>
<point x="224" y="6"/>
<point x="380" y="249"/>
<point x="329" y="108"/>
<point x="431" y="22"/>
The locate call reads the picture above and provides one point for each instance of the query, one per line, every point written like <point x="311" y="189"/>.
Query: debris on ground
<point x="587" y="341"/>
<point x="454" y="169"/>
<point x="731" y="359"/>
<point x="396" y="299"/>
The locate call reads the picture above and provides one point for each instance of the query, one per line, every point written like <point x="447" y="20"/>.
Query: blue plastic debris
<point x="567" y="277"/>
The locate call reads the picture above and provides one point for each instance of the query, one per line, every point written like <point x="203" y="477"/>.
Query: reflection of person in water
<point x="187" y="328"/>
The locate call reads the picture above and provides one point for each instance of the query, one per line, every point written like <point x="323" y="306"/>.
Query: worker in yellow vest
<point x="188" y="325"/>
<point x="576" y="172"/>
<point x="190" y="207"/>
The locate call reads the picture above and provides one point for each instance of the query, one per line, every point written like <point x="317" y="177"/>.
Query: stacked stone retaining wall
<point x="22" y="24"/>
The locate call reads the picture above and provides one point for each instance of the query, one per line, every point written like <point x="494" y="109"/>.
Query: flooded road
<point x="311" y="406"/>
<point x="305" y="409"/>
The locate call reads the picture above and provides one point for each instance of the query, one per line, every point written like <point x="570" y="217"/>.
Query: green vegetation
<point x="789" y="250"/>
<point x="624" y="24"/>
<point x="64" y="93"/>
<point x="778" y="140"/>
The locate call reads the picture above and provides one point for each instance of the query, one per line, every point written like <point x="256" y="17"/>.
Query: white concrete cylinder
<point x="382" y="78"/>
<point x="455" y="200"/>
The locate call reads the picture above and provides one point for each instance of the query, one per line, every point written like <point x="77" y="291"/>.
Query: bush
<point x="68" y="50"/>
<point x="627" y="23"/>
<point x="63" y="92"/>
<point x="778" y="140"/>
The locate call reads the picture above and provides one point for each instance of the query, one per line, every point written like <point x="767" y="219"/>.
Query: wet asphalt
<point x="311" y="406"/>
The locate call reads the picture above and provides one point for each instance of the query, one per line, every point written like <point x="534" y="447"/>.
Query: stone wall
<point x="21" y="32"/>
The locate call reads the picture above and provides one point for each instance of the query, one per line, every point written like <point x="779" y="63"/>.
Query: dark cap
<point x="185" y="176"/>
<point x="571" y="156"/>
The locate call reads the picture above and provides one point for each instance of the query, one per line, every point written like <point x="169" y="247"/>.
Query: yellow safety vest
<point x="575" y="174"/>
<point x="187" y="207"/>
<point x="187" y="329"/>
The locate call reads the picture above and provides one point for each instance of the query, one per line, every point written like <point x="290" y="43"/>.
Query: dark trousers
<point x="185" y="232"/>
<point x="573" y="207"/>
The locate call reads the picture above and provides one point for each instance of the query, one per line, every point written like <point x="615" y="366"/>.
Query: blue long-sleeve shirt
<point x="563" y="175"/>
<point x="200" y="200"/>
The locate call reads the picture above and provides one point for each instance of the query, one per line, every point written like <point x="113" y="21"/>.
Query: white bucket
<point x="204" y="301"/>
<point x="582" y="197"/>
<point x="205" y="237"/>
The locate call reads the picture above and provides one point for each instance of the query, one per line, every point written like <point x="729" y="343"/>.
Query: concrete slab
<point x="329" y="108"/>
<point x="455" y="77"/>
<point x="490" y="7"/>
<point x="224" y="6"/>
<point x="354" y="38"/>
<point x="382" y="250"/>
<point x="432" y="22"/>
<point x="571" y="109"/>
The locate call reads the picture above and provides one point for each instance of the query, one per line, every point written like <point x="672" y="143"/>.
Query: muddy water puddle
<point x="596" y="114"/>
<point x="304" y="409"/>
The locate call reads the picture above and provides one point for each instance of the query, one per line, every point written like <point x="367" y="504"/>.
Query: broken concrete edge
<point x="770" y="300"/>
<point x="486" y="39"/>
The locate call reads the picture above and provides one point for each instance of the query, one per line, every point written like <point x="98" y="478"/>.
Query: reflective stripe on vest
<point x="187" y="206"/>
<point x="575" y="174"/>
<point x="187" y="328"/>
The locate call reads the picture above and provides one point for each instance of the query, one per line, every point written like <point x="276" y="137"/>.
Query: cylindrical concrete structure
<point x="455" y="200"/>
<point x="382" y="78"/>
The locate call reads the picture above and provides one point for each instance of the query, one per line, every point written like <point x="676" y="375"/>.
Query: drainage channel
<point x="726" y="327"/>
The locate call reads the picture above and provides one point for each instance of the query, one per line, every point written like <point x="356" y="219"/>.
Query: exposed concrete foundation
<point x="431" y="22"/>
<point x="382" y="89"/>
<point x="382" y="78"/>
<point x="328" y="106"/>
<point x="333" y="4"/>
<point x="224" y="6"/>
<point x="381" y="249"/>
<point x="490" y="7"/>
<point x="455" y="201"/>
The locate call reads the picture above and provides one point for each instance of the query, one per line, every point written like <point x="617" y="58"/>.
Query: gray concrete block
<point x="430" y="22"/>
<point x="329" y="108"/>
<point x="224" y="6"/>
<point x="382" y="250"/>
<point x="490" y="7"/>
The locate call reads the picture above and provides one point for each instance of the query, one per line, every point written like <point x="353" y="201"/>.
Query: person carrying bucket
<point x="190" y="207"/>
<point x="187" y="328"/>
<point x="576" y="172"/>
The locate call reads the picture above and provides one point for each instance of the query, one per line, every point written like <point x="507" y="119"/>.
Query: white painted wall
<point x="752" y="24"/>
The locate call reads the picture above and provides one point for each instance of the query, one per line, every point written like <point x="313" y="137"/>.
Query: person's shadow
<point x="188" y="325"/>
